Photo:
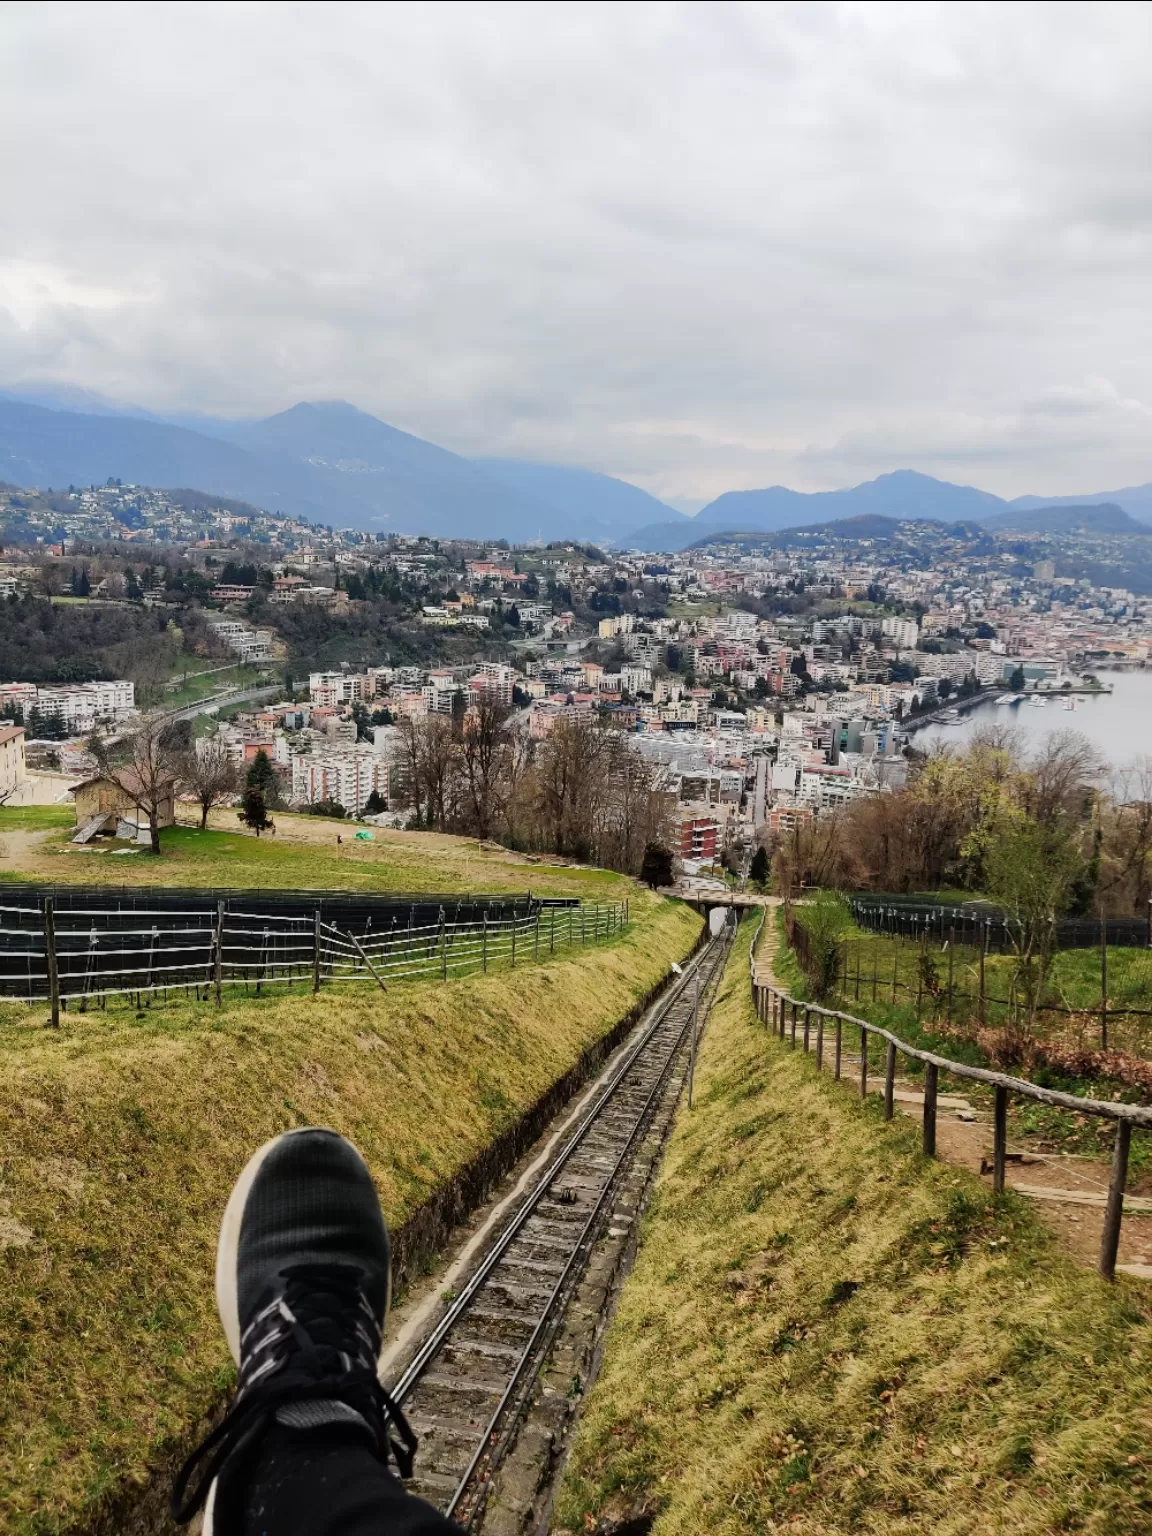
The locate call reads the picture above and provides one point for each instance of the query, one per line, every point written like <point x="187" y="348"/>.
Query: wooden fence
<point x="793" y="1019"/>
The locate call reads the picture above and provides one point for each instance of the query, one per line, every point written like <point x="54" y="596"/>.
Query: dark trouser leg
<point x="329" y="1484"/>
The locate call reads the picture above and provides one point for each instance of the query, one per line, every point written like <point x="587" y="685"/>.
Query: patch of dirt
<point x="25" y="850"/>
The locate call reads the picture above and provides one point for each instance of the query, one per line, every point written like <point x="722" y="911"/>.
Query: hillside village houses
<point x="80" y="707"/>
<point x="752" y="724"/>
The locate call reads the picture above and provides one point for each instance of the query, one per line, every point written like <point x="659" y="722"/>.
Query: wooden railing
<point x="782" y="1014"/>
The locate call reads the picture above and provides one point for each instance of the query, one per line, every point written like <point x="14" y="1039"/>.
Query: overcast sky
<point x="700" y="247"/>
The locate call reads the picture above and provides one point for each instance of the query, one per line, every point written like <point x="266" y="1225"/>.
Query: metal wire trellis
<point x="83" y="956"/>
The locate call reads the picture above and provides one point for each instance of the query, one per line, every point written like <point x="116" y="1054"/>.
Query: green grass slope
<point x="120" y="1138"/>
<point x="825" y="1332"/>
<point x="304" y="855"/>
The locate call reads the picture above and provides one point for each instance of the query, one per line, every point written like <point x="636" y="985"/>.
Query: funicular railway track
<point x="468" y="1386"/>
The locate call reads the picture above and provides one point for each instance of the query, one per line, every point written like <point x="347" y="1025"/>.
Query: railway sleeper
<point x="461" y="1347"/>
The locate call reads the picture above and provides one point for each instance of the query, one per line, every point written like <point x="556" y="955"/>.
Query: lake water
<point x="1118" y="724"/>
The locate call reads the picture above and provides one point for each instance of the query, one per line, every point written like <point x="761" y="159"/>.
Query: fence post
<point x="839" y="1043"/>
<point x="551" y="930"/>
<point x="807" y="1028"/>
<point x="1103" y="986"/>
<point x="999" y="1139"/>
<point x="819" y="1041"/>
<point x="444" y="947"/>
<point x="316" y="950"/>
<point x="889" y="1080"/>
<point x="983" y="956"/>
<point x="1110" y="1237"/>
<point x="484" y="943"/>
<point x="930" y="1080"/>
<point x="513" y="938"/>
<point x="951" y="960"/>
<point x="536" y="939"/>
<point x="50" y="953"/>
<point x="218" y="967"/>
<point x="155" y="934"/>
<point x="795" y="1009"/>
<point x="863" y="1062"/>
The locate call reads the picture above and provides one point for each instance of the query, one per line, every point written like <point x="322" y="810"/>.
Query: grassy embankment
<point x="304" y="855"/>
<point x="824" y="1332"/>
<point x="1076" y="984"/>
<point x="121" y="1135"/>
<point x="206" y="679"/>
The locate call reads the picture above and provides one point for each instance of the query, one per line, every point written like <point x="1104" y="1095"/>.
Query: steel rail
<point x="535" y="1350"/>
<point x="551" y="1314"/>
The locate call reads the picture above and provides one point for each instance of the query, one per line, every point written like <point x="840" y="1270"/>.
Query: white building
<point x="243" y="641"/>
<point x="328" y="690"/>
<point x="905" y="632"/>
<point x="81" y="706"/>
<point x="348" y="776"/>
<point x="12" y="768"/>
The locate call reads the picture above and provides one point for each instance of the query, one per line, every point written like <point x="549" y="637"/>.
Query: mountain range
<point x="333" y="464"/>
<point x="327" y="462"/>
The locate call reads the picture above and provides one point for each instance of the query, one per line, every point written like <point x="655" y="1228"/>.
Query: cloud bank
<point x="702" y="247"/>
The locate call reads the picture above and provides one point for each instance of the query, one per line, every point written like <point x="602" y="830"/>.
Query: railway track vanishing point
<point x="471" y="1381"/>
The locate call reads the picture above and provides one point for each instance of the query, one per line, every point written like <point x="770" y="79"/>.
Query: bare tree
<point x="147" y="771"/>
<point x="209" y="773"/>
<point x="1030" y="873"/>
<point x="1061" y="778"/>
<point x="1126" y="838"/>
<point x="483" y="759"/>
<point x="568" y="784"/>
<point x="437" y="768"/>
<point x="430" y="752"/>
<point x="411" y="735"/>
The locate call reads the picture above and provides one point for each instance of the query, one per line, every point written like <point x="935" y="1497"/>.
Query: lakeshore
<point x="1117" y="718"/>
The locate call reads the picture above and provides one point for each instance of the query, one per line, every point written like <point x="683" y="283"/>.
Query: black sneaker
<point x="302" y="1286"/>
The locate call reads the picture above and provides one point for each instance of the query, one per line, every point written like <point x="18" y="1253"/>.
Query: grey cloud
<point x="700" y="246"/>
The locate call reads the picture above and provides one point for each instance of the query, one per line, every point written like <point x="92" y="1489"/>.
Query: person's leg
<point x="302" y="1286"/>
<point x="328" y="1484"/>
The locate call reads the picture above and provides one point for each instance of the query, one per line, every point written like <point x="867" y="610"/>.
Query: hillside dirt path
<point x="1068" y="1190"/>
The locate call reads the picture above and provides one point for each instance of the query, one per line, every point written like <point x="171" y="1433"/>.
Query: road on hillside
<point x="218" y="700"/>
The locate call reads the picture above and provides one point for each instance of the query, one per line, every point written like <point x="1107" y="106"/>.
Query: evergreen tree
<point x="261" y="774"/>
<point x="758" y="872"/>
<point x="253" y="811"/>
<point x="656" y="868"/>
